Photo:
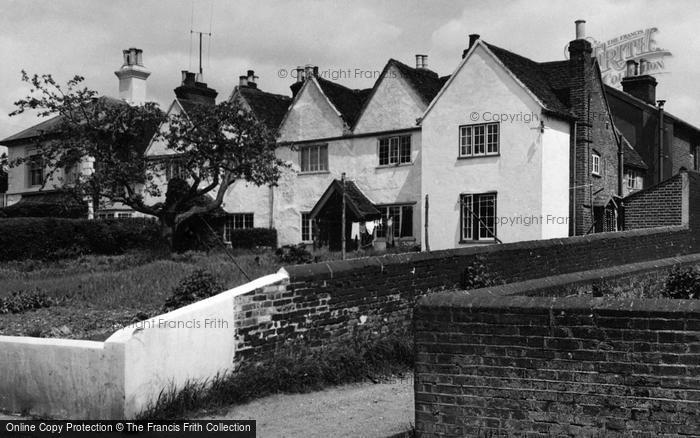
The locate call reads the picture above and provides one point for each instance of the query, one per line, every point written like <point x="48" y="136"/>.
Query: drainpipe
<point x="620" y="166"/>
<point x="575" y="186"/>
<point x="661" y="139"/>
<point x="342" y="225"/>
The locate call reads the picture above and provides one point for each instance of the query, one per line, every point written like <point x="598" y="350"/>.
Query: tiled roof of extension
<point x="49" y="125"/>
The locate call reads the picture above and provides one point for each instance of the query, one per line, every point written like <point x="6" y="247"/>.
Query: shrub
<point x="477" y="275"/>
<point x="54" y="238"/>
<point x="254" y="237"/>
<point x="24" y="300"/>
<point x="682" y="284"/>
<point x="294" y="255"/>
<point x="198" y="285"/>
<point x="46" y="209"/>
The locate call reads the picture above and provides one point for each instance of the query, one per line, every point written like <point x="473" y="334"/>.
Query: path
<point x="364" y="410"/>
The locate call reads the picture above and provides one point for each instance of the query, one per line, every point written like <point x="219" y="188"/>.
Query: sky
<point x="351" y="41"/>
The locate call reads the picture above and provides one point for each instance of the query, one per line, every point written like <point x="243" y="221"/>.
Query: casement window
<point x="396" y="219"/>
<point x="634" y="179"/>
<point x="313" y="158"/>
<point x="124" y="215"/>
<point x="595" y="163"/>
<point x="306" y="227"/>
<point x="237" y="221"/>
<point x="176" y="168"/>
<point x="479" y="140"/>
<point x="395" y="150"/>
<point x="105" y="215"/>
<point x="478" y="216"/>
<point x="35" y="170"/>
<point x="113" y="215"/>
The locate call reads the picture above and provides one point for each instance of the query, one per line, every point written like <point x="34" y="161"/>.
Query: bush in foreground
<point x="294" y="369"/>
<point x="682" y="284"/>
<point x="197" y="286"/>
<point x="26" y="300"/>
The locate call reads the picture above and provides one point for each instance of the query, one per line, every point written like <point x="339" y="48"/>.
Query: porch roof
<point x="358" y="205"/>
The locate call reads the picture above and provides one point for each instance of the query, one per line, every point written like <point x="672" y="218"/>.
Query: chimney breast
<point x="580" y="29"/>
<point x="132" y="77"/>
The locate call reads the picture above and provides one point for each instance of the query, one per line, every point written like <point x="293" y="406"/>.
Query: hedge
<point x="54" y="238"/>
<point x="45" y="209"/>
<point x="253" y="237"/>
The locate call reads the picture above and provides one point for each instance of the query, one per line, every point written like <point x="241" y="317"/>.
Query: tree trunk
<point x="167" y="232"/>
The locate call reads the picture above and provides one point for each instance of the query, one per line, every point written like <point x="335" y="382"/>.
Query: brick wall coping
<point x="336" y="268"/>
<point x="514" y="295"/>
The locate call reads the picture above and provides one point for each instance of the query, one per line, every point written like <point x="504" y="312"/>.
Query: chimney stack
<point x="252" y="80"/>
<point x="580" y="29"/>
<point x="132" y="77"/>
<point x="194" y="91"/>
<point x="421" y="61"/>
<point x="638" y="83"/>
<point x="473" y="38"/>
<point x="243" y="81"/>
<point x="300" y="73"/>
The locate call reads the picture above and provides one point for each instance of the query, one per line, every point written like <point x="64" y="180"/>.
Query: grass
<point x="98" y="295"/>
<point x="293" y="369"/>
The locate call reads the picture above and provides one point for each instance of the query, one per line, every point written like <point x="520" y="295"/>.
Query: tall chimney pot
<point x="419" y="61"/>
<point x="631" y="68"/>
<point x="580" y="29"/>
<point x="300" y="73"/>
<point x="243" y="81"/>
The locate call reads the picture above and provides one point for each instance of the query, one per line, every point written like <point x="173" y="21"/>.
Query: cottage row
<point x="504" y="149"/>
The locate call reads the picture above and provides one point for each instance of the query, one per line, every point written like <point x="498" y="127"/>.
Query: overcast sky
<point x="86" y="37"/>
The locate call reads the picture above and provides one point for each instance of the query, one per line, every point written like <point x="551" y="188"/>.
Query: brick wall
<point x="657" y="206"/>
<point x="331" y="301"/>
<point x="499" y="365"/>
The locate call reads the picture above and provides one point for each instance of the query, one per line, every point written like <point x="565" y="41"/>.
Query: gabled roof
<point x="49" y="125"/>
<point x="641" y="104"/>
<point x="357" y="203"/>
<point x="425" y="82"/>
<point x="268" y="108"/>
<point x="348" y="102"/>
<point x="542" y="79"/>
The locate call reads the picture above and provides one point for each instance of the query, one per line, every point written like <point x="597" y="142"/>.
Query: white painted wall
<point x="311" y="116"/>
<point x="483" y="87"/>
<point x="118" y="378"/>
<point x="555" y="179"/>
<point x="61" y="378"/>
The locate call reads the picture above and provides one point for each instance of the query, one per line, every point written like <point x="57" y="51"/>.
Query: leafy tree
<point x="218" y="145"/>
<point x="3" y="173"/>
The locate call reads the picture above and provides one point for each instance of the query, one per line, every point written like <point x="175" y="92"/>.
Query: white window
<point x="595" y="164"/>
<point x="313" y="158"/>
<point x="176" y="168"/>
<point x="634" y="179"/>
<point x="124" y="215"/>
<point x="306" y="227"/>
<point x="395" y="150"/>
<point x="398" y="219"/>
<point x="35" y="168"/>
<point x="237" y="221"/>
<point x="478" y="216"/>
<point x="479" y="140"/>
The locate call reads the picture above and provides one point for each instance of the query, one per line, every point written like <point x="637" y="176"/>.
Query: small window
<point x="478" y="216"/>
<point x="237" y="221"/>
<point x="479" y="140"/>
<point x="313" y="158"/>
<point x="123" y="215"/>
<point x="634" y="179"/>
<point x="306" y="227"/>
<point x="35" y="166"/>
<point x="395" y="150"/>
<point x="595" y="164"/>
<point x="398" y="219"/>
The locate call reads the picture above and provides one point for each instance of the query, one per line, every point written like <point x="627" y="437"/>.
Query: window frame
<point x="319" y="158"/>
<point x="475" y="228"/>
<point x="385" y="210"/>
<point x="309" y="224"/>
<point x="467" y="145"/>
<point x="231" y="224"/>
<point x="175" y="167"/>
<point x="398" y="152"/>
<point x="595" y="163"/>
<point x="35" y="160"/>
<point x="632" y="175"/>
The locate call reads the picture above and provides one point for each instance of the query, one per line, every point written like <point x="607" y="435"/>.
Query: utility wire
<point x="220" y="240"/>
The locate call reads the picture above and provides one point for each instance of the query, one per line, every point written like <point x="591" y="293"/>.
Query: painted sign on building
<point x="613" y="54"/>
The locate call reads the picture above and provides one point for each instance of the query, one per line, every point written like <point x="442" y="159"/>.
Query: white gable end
<point x="394" y="105"/>
<point x="311" y="116"/>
